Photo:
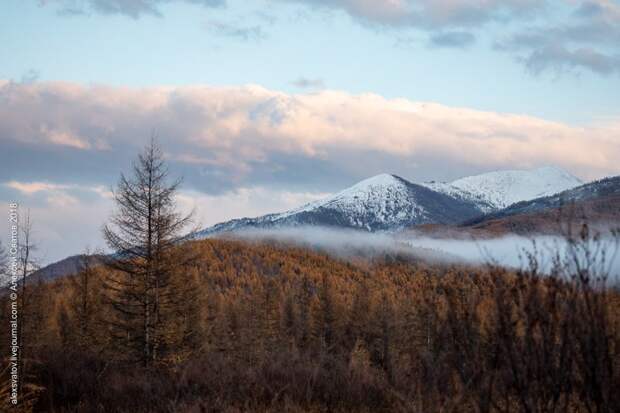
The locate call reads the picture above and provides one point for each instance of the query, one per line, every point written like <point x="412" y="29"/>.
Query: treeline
<point x="272" y="328"/>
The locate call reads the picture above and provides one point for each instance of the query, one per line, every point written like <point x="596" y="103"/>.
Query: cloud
<point x="129" y="8"/>
<point x="222" y="138"/>
<point x="589" y="39"/>
<point x="454" y="39"/>
<point x="245" y="33"/>
<point x="560" y="36"/>
<point x="561" y="59"/>
<point x="64" y="138"/>
<point x="429" y="14"/>
<point x="306" y="83"/>
<point x="546" y="35"/>
<point x="30" y="188"/>
<point x="56" y="192"/>
<point x="56" y="195"/>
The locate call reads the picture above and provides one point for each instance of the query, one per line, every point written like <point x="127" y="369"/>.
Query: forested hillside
<point x="265" y="327"/>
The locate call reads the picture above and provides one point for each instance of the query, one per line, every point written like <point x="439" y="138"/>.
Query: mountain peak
<point x="499" y="189"/>
<point x="381" y="202"/>
<point x="377" y="189"/>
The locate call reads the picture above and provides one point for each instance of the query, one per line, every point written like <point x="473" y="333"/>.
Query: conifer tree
<point x="143" y="232"/>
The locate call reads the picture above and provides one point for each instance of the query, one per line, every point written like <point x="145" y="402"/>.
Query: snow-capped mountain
<point x="496" y="190"/>
<point x="383" y="202"/>
<point x="606" y="190"/>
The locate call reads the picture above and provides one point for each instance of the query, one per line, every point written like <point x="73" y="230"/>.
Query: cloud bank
<point x="241" y="135"/>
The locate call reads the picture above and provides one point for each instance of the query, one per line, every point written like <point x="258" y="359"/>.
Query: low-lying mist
<point x="509" y="251"/>
<point x="514" y="251"/>
<point x="344" y="243"/>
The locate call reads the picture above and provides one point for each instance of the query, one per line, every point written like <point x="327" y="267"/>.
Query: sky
<point x="263" y="105"/>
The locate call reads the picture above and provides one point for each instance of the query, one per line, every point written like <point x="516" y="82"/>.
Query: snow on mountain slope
<point x="605" y="191"/>
<point x="496" y="190"/>
<point x="383" y="202"/>
<point x="385" y="197"/>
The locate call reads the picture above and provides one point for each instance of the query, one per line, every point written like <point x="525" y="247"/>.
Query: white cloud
<point x="65" y="138"/>
<point x="30" y="188"/>
<point x="241" y="127"/>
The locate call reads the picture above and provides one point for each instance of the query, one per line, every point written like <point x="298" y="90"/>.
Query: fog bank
<point x="509" y="251"/>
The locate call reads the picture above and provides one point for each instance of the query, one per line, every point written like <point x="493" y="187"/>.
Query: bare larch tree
<point x="143" y="233"/>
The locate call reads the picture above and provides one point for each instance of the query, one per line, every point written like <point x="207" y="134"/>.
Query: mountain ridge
<point x="382" y="202"/>
<point x="388" y="202"/>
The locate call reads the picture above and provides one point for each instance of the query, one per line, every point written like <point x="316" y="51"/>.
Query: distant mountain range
<point x="391" y="203"/>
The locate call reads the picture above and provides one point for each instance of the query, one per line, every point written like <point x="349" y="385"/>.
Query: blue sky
<point x="274" y="43"/>
<point x="266" y="104"/>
